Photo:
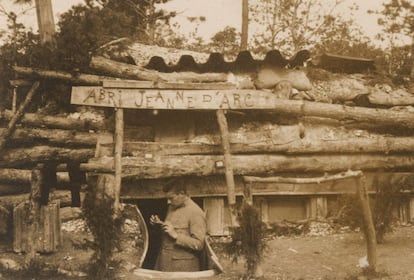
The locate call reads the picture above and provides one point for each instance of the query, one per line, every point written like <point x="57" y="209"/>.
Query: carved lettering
<point x="207" y="98"/>
<point x="179" y="96"/>
<point x="248" y="101"/>
<point x="148" y="101"/>
<point x="236" y="100"/>
<point x="190" y="104"/>
<point x="159" y="97"/>
<point x="225" y="102"/>
<point x="139" y="100"/>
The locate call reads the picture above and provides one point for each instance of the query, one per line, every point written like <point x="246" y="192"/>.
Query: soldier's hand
<point x="155" y="220"/>
<point x="169" y="229"/>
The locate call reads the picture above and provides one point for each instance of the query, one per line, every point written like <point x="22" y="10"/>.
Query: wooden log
<point x="318" y="180"/>
<point x="119" y="140"/>
<point x="12" y="189"/>
<point x="34" y="214"/>
<point x="10" y="201"/>
<point x="4" y="137"/>
<point x="38" y="120"/>
<point x="376" y="144"/>
<point x="165" y="85"/>
<point x="27" y="157"/>
<point x="86" y="79"/>
<point x="20" y="83"/>
<point x="62" y="137"/>
<point x="368" y="224"/>
<point x="167" y="166"/>
<point x="22" y="176"/>
<point x="130" y="71"/>
<point x="228" y="165"/>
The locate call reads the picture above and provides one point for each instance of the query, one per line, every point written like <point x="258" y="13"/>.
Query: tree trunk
<point x="28" y="157"/>
<point x="197" y="165"/>
<point x="38" y="120"/>
<point x="245" y="25"/>
<point x="45" y="21"/>
<point x="124" y="70"/>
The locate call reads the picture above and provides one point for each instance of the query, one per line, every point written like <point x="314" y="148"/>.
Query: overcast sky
<point x="219" y="13"/>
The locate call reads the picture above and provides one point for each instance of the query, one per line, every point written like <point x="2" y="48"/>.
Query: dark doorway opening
<point x="150" y="207"/>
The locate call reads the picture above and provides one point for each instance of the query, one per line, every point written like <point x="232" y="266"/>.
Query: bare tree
<point x="245" y="25"/>
<point x="291" y="25"/>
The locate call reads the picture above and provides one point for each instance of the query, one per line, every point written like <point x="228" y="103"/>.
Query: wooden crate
<point x="48" y="236"/>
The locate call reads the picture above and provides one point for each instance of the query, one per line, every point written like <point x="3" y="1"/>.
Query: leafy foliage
<point x="248" y="239"/>
<point x="226" y="42"/>
<point x="386" y="200"/>
<point x="293" y="25"/>
<point x="106" y="229"/>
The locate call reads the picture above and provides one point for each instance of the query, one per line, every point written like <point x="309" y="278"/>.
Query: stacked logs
<point x="55" y="141"/>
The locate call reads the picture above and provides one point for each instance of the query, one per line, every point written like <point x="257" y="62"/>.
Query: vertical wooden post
<point x="76" y="178"/>
<point x="247" y="193"/>
<point x="411" y="214"/>
<point x="34" y="213"/>
<point x="370" y="235"/>
<point x="119" y="138"/>
<point x="225" y="138"/>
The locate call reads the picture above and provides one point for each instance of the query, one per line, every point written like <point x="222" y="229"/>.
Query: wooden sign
<point x="172" y="99"/>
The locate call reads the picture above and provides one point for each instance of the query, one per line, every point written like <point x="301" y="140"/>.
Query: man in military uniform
<point x="184" y="231"/>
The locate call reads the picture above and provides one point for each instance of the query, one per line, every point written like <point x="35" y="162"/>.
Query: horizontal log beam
<point x="10" y="201"/>
<point x="53" y="137"/>
<point x="80" y="78"/>
<point x="28" y="157"/>
<point x="38" y="120"/>
<point x="317" y="180"/>
<point x="376" y="144"/>
<point x="23" y="176"/>
<point x="198" y="165"/>
<point x="215" y="186"/>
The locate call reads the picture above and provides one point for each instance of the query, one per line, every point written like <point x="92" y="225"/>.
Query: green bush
<point x="248" y="240"/>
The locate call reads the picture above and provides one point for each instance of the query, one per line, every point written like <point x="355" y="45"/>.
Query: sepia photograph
<point x="206" y="139"/>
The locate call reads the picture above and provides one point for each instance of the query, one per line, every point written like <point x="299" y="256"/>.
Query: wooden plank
<point x="317" y="207"/>
<point x="232" y="99"/>
<point x="214" y="208"/>
<point x="172" y="99"/>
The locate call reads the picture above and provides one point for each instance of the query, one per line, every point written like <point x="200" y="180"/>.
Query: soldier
<point x="184" y="231"/>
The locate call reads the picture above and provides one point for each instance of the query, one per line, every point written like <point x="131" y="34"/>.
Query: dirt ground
<point x="308" y="256"/>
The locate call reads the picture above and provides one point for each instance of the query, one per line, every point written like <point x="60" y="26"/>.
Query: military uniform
<point x="182" y="254"/>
